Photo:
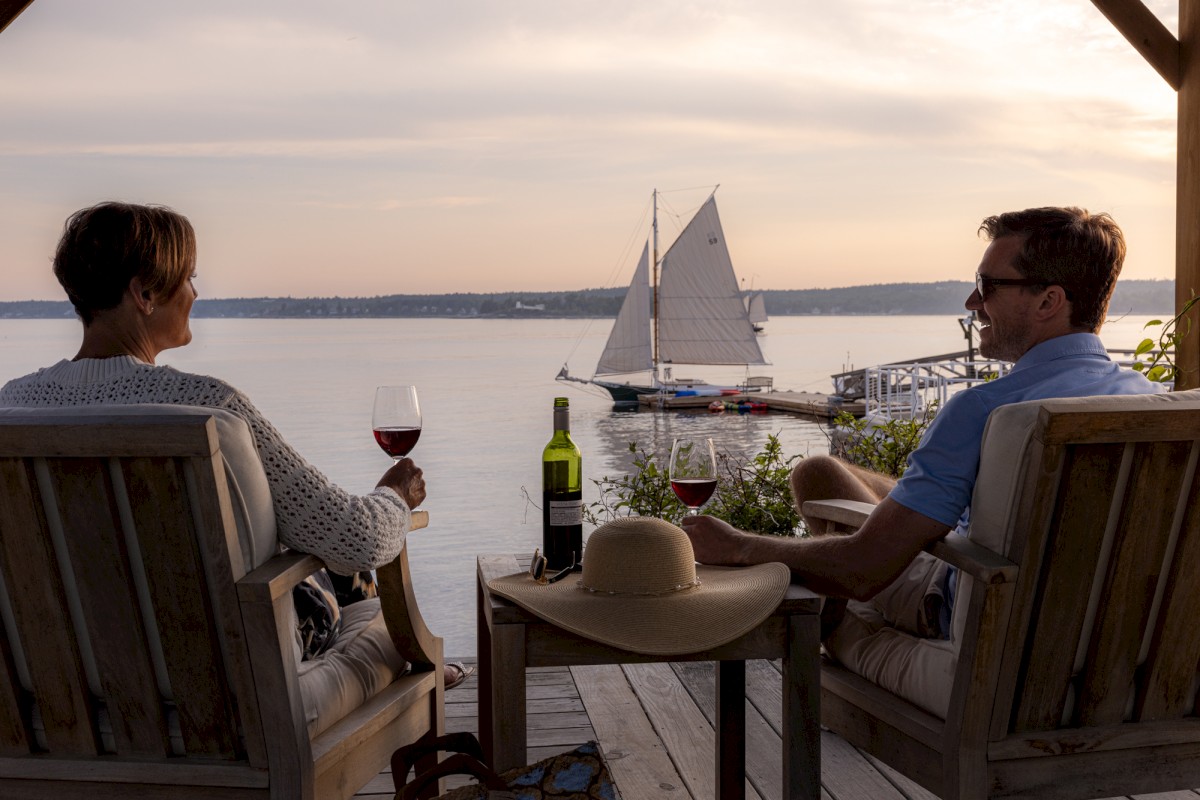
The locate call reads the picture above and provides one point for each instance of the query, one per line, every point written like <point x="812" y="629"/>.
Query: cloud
<point x="535" y="118"/>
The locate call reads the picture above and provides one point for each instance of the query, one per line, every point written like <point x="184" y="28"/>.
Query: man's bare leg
<point x="829" y="478"/>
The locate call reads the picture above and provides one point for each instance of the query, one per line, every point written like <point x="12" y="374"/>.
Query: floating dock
<point x="807" y="404"/>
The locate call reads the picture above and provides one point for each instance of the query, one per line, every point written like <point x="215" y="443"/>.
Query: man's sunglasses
<point x="537" y="569"/>
<point x="984" y="285"/>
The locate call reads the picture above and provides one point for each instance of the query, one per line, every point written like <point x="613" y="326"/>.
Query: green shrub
<point x="884" y="447"/>
<point x="1158" y="365"/>
<point x="753" y="494"/>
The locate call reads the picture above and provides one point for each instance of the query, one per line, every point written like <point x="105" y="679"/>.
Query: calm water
<point x="486" y="390"/>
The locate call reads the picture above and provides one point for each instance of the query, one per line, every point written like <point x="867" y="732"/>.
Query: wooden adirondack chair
<point x="1076" y="628"/>
<point x="143" y="654"/>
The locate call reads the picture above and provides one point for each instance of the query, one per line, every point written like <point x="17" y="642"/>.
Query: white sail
<point x="756" y="307"/>
<point x="628" y="347"/>
<point x="701" y="318"/>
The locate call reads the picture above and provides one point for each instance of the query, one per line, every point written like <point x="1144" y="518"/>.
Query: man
<point x="1041" y="293"/>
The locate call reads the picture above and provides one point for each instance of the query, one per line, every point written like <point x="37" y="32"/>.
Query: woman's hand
<point x="405" y="479"/>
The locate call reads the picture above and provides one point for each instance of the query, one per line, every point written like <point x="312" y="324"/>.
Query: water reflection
<point x="739" y="435"/>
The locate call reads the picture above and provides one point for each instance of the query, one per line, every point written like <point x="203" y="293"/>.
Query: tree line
<point x="942" y="297"/>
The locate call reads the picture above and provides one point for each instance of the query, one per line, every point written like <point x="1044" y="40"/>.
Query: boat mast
<point x="654" y="289"/>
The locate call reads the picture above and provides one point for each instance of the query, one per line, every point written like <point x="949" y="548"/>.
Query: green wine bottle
<point x="562" y="493"/>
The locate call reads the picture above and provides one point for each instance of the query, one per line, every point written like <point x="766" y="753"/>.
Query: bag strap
<point x="463" y="743"/>
<point x="457" y="764"/>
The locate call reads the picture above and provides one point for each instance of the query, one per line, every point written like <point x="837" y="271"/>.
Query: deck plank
<point x="685" y="730"/>
<point x="905" y="785"/>
<point x="764" y="768"/>
<point x="636" y="756"/>
<point x="627" y="704"/>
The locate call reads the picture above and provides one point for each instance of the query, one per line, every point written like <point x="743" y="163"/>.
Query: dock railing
<point x="904" y="391"/>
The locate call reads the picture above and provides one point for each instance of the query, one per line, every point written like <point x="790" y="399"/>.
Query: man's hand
<point x="714" y="541"/>
<point x="405" y="479"/>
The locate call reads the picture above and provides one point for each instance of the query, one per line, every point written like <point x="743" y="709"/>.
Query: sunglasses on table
<point x="537" y="569"/>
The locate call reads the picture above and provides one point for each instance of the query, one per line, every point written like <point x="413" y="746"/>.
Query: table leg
<point x="483" y="651"/>
<point x="507" y="691"/>
<point x="731" y="730"/>
<point x="802" y="709"/>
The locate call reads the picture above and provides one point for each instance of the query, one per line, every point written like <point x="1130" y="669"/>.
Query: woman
<point x="128" y="271"/>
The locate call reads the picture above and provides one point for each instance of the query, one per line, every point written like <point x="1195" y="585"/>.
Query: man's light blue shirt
<point x="941" y="471"/>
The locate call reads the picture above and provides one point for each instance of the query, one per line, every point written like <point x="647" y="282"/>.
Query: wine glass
<point x="396" y="420"/>
<point x="693" y="471"/>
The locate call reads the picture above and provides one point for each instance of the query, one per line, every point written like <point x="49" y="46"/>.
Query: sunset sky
<point x="386" y="146"/>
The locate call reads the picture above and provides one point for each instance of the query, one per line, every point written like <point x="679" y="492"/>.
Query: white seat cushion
<point x="360" y="664"/>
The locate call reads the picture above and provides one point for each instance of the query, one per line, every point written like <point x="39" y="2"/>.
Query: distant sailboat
<point x="693" y="314"/>
<point x="756" y="310"/>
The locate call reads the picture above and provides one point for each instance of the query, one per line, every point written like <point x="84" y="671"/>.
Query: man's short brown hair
<point x="1068" y="247"/>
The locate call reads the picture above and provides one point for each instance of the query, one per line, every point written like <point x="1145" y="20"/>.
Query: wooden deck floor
<point x="655" y="725"/>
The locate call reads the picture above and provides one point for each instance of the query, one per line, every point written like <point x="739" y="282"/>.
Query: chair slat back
<point x="39" y="606"/>
<point x="1110" y="539"/>
<point x="101" y="567"/>
<point x="115" y="548"/>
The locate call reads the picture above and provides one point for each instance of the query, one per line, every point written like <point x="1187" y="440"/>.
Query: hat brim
<point x="729" y="602"/>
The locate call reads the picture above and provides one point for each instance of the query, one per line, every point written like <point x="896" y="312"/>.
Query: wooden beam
<point x="1187" y="198"/>
<point x="1147" y="35"/>
<point x="9" y="9"/>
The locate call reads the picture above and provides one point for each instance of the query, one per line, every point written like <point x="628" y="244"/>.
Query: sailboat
<point x="756" y="310"/>
<point x="686" y="309"/>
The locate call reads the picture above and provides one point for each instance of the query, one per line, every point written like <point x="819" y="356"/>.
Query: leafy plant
<point x="756" y="495"/>
<point x="645" y="493"/>
<point x="881" y="447"/>
<point x="1159" y="366"/>
<point x="753" y="494"/>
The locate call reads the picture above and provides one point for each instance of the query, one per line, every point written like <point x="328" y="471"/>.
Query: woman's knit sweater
<point x="313" y="515"/>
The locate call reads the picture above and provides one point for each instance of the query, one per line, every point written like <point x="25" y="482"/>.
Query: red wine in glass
<point x="693" y="471"/>
<point x="396" y="420"/>
<point x="694" y="492"/>
<point x="397" y="442"/>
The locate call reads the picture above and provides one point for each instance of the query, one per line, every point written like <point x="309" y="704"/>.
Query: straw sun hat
<point x="641" y="590"/>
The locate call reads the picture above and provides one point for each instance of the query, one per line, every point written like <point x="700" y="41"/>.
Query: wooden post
<point x="1176" y="61"/>
<point x="9" y="9"/>
<point x="1187" y="203"/>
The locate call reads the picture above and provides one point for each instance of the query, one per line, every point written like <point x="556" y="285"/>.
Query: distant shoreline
<point x="894" y="299"/>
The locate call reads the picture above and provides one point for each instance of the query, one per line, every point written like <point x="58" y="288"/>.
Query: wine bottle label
<point x="566" y="512"/>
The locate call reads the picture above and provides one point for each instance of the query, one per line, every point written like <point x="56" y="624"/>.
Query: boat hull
<point x="624" y="392"/>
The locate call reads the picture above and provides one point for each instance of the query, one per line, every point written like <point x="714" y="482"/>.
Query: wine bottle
<point x="562" y="493"/>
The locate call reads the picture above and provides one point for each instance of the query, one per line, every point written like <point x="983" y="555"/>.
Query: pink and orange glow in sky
<point x="387" y="146"/>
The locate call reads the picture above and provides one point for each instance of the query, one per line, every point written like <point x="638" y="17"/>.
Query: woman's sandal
<point x="464" y="672"/>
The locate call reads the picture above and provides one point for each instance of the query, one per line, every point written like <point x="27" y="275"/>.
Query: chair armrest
<point x="849" y="514"/>
<point x="405" y="625"/>
<point x="277" y="577"/>
<point x="974" y="559"/>
<point x="959" y="551"/>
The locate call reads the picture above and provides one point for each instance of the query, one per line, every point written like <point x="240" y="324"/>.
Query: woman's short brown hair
<point x="106" y="246"/>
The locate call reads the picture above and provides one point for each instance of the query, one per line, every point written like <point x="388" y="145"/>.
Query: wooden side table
<point x="511" y="639"/>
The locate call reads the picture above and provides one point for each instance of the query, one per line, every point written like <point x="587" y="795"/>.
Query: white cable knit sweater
<point x="313" y="515"/>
